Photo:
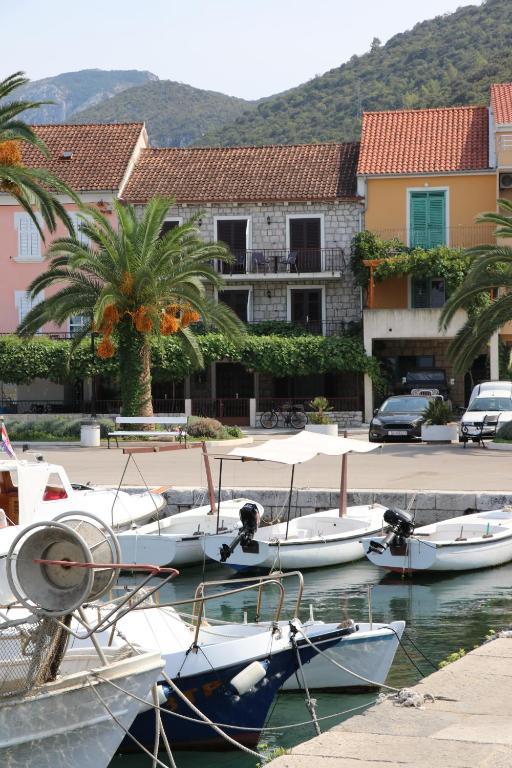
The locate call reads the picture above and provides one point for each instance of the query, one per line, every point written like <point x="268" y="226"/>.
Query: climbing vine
<point x="22" y="360"/>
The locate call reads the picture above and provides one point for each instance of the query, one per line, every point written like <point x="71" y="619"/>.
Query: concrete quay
<point x="469" y="726"/>
<point x="428" y="506"/>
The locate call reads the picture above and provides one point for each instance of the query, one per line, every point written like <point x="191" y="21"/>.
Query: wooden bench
<point x="169" y="420"/>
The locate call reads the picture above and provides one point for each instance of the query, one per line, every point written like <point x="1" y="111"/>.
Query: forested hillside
<point x="449" y="60"/>
<point x="176" y="115"/>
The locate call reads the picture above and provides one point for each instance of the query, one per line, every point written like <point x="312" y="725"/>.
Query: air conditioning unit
<point x="505" y="180"/>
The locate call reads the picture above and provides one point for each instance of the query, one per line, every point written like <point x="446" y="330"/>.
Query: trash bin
<point x="90" y="434"/>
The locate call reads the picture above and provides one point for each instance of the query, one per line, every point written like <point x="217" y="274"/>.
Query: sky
<point x="238" y="47"/>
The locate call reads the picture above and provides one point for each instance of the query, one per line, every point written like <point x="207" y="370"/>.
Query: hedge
<point x="22" y="360"/>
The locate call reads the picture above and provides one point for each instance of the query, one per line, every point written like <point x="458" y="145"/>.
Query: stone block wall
<point x="428" y="506"/>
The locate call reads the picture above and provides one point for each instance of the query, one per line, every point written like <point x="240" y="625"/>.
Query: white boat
<point x="64" y="723"/>
<point x="176" y="540"/>
<point x="329" y="537"/>
<point x="313" y="541"/>
<point x="465" y="543"/>
<point x="36" y="490"/>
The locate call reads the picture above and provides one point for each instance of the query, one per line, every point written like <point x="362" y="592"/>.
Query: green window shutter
<point x="418" y="220"/>
<point x="420" y="298"/>
<point x="427" y="219"/>
<point x="436" y="219"/>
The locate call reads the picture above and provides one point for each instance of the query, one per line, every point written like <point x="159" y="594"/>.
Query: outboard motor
<point x="402" y="527"/>
<point x="250" y="518"/>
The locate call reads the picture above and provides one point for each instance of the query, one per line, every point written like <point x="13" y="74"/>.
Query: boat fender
<point x="249" y="677"/>
<point x="163" y="694"/>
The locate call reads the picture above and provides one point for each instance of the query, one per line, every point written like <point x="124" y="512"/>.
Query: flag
<point x="5" y="443"/>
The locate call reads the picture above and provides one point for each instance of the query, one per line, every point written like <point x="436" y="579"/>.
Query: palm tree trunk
<point x="135" y="371"/>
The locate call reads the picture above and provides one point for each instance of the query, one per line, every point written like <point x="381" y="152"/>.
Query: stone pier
<point x="469" y="725"/>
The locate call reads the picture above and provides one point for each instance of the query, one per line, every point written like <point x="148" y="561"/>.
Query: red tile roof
<point x="246" y="174"/>
<point x="424" y="141"/>
<point x="99" y="153"/>
<point x="501" y="103"/>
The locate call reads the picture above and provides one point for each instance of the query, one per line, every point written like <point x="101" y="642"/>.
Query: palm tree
<point x="490" y="271"/>
<point x="133" y="283"/>
<point x="27" y="185"/>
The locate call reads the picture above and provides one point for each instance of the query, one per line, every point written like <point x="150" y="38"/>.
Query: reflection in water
<point x="442" y="615"/>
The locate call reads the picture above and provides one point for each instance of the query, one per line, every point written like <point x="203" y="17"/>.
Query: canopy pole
<point x="343" y="483"/>
<point x="218" y="496"/>
<point x="289" y="501"/>
<point x="209" y="480"/>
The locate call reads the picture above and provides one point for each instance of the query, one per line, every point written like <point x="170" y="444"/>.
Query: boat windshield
<point x="491" y="404"/>
<point x="404" y="405"/>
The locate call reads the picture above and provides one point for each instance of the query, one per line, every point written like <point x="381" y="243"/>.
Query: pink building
<point x="96" y="162"/>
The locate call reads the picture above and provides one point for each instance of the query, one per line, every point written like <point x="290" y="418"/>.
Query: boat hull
<point x="64" y="724"/>
<point x="367" y="653"/>
<point x="212" y="692"/>
<point x="465" y="543"/>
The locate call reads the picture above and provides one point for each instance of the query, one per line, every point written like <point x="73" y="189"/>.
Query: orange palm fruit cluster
<point x="141" y="320"/>
<point x="169" y="324"/>
<point x="189" y="315"/>
<point x="110" y="318"/>
<point x="105" y="348"/>
<point x="10" y="154"/>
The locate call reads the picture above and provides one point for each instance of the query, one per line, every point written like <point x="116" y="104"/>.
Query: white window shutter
<point x="23" y="238"/>
<point x="29" y="239"/>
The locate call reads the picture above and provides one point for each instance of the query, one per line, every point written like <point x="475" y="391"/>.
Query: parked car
<point x="489" y="399"/>
<point x="399" y="418"/>
<point x="425" y="380"/>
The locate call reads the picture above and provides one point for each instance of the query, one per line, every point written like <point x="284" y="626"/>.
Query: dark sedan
<point x="398" y="418"/>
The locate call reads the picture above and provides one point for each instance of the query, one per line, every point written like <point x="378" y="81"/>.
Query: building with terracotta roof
<point x="425" y="175"/>
<point x="288" y="215"/>
<point x="95" y="161"/>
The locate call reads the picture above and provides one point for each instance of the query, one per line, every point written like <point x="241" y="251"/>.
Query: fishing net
<point x="31" y="650"/>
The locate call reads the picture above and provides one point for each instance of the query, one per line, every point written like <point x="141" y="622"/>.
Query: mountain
<point x="447" y="61"/>
<point x="72" y="91"/>
<point x="176" y="115"/>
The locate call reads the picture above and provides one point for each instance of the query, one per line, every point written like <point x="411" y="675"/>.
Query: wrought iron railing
<point x="464" y="236"/>
<point x="349" y="403"/>
<point x="273" y="261"/>
<point x="221" y="407"/>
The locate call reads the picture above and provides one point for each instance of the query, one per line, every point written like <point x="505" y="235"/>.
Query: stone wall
<point x="340" y="223"/>
<point x="429" y="506"/>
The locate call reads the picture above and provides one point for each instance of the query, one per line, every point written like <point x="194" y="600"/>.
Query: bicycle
<point x="292" y="415"/>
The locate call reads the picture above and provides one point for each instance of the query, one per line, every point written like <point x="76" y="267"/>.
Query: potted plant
<point x="319" y="420"/>
<point x="438" y="426"/>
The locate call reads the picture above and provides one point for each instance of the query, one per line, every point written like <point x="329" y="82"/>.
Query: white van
<point x="490" y="398"/>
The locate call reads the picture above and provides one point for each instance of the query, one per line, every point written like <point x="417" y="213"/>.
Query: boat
<point x="69" y="720"/>
<point x="328" y="537"/>
<point x="176" y="540"/>
<point x="73" y="714"/>
<point x="465" y="543"/>
<point x="37" y="490"/>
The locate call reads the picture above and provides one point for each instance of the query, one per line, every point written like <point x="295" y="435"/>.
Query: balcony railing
<point x="431" y="237"/>
<point x="273" y="261"/>
<point x="349" y="403"/>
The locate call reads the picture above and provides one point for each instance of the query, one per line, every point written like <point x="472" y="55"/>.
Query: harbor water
<point x="443" y="614"/>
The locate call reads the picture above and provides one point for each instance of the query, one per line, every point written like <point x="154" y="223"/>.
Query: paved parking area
<point x="395" y="466"/>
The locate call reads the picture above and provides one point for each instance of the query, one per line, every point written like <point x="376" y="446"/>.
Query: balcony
<point x="284" y="263"/>
<point x="454" y="237"/>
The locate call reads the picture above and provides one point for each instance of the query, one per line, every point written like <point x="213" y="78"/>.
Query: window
<point x="427" y="292"/>
<point x="29" y="239"/>
<point x="238" y="301"/>
<point x="168" y="225"/>
<point x="306" y="308"/>
<point x="234" y="234"/>
<point x="76" y="323"/>
<point x="306" y="241"/>
<point x="427" y="219"/>
<point x="24" y="302"/>
<point x="77" y="220"/>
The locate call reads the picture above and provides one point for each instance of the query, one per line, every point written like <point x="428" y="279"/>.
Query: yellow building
<point x="425" y="175"/>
